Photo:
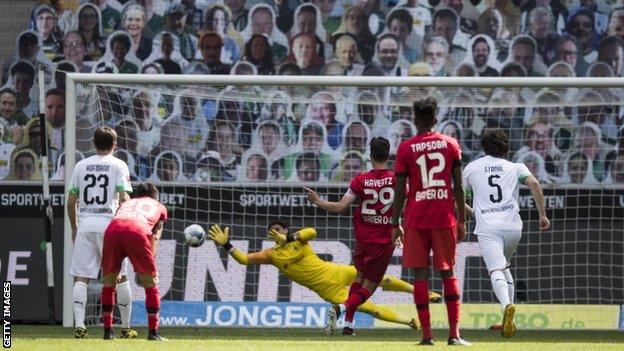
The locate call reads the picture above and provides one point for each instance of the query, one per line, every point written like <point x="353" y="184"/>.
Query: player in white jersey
<point x="98" y="185"/>
<point x="493" y="182"/>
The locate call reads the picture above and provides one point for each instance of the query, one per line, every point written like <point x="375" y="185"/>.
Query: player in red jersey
<point x="134" y="233"/>
<point x="373" y="231"/>
<point x="432" y="162"/>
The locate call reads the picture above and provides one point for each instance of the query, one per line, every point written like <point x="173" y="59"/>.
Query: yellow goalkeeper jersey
<point x="299" y="262"/>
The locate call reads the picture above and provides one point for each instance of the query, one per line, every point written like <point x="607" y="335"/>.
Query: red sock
<point x="107" y="301"/>
<point x="355" y="286"/>
<point x="358" y="298"/>
<point x="451" y="297"/>
<point x="421" y="299"/>
<point x="152" y="305"/>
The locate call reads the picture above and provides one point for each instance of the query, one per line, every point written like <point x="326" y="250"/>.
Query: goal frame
<point x="248" y="80"/>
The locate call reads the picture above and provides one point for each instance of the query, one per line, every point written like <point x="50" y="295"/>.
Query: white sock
<point x="80" y="301"/>
<point x="499" y="284"/>
<point x="343" y="308"/>
<point x="348" y="324"/>
<point x="124" y="302"/>
<point x="510" y="284"/>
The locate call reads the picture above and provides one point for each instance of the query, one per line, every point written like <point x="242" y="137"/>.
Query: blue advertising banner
<point x="243" y="314"/>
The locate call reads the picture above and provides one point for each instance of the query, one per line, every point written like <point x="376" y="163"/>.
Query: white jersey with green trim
<point x="96" y="181"/>
<point x="494" y="184"/>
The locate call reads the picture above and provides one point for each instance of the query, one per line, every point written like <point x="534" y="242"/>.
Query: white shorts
<point x="498" y="247"/>
<point x="87" y="256"/>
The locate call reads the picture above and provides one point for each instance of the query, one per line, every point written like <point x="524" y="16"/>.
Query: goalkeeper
<point x="296" y="259"/>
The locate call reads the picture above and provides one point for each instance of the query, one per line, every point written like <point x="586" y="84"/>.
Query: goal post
<point x="570" y="277"/>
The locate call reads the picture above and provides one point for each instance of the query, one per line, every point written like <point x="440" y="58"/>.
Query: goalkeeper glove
<point x="219" y="236"/>
<point x="280" y="238"/>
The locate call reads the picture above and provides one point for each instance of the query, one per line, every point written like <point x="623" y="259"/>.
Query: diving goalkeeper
<point x="296" y="259"/>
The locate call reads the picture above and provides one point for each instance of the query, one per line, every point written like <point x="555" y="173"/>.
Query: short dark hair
<point x="27" y="38"/>
<point x="445" y="13"/>
<point x="146" y="190"/>
<point x="379" y="149"/>
<point x="122" y="38"/>
<point x="402" y="15"/>
<point x="480" y="40"/>
<point x="55" y="92"/>
<point x="425" y="111"/>
<point x="495" y="142"/>
<point x="104" y="138"/>
<point x="279" y="222"/>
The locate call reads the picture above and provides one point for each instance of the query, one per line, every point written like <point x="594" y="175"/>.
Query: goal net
<point x="237" y="151"/>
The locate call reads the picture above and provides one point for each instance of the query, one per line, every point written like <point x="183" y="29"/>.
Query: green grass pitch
<point x="51" y="338"/>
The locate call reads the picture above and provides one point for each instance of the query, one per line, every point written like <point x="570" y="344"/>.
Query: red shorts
<point x="372" y="260"/>
<point x="418" y="244"/>
<point x="121" y="244"/>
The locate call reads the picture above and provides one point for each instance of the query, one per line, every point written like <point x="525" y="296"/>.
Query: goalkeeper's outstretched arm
<point x="221" y="237"/>
<point x="329" y="206"/>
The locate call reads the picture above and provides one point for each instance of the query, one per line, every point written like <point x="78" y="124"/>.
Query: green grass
<point x="50" y="338"/>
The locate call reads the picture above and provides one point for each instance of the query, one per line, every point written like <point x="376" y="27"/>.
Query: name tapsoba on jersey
<point x="494" y="184"/>
<point x="372" y="220"/>
<point x="427" y="159"/>
<point x="96" y="181"/>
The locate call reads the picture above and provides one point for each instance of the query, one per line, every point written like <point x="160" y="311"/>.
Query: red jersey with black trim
<point x="373" y="217"/>
<point x="138" y="215"/>
<point x="427" y="160"/>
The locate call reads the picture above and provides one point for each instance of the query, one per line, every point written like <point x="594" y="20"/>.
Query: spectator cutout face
<point x="306" y="20"/>
<point x="611" y="54"/>
<point x="308" y="171"/>
<point x="8" y="105"/>
<point x="445" y="27"/>
<point x="323" y="112"/>
<point x="261" y="21"/>
<point x="450" y="129"/>
<point x="55" y="110"/>
<point x="480" y="53"/>
<point x="539" y="138"/>
<point x="356" y="138"/>
<point x="312" y="139"/>
<point x="256" y="168"/>
<point x="388" y="52"/>
<point x="219" y="21"/>
<point x="88" y="19"/>
<point x="303" y="50"/>
<point x="45" y="23"/>
<point x="567" y="52"/>
<point x="351" y="167"/>
<point x="616" y="23"/>
<point x="346" y="49"/>
<point x="577" y="168"/>
<point x="259" y="47"/>
<point x="523" y="55"/>
<point x="400" y="29"/>
<point x="120" y="50"/>
<point x="211" y="48"/>
<point x="326" y="6"/>
<point x="435" y="56"/>
<point x="269" y="136"/>
<point x="24" y="167"/>
<point x="490" y="23"/>
<point x="134" y="21"/>
<point x="74" y="48"/>
<point x="168" y="169"/>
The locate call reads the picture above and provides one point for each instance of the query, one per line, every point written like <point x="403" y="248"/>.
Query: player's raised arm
<point x="330" y="206"/>
<point x="221" y="237"/>
<point x="538" y="195"/>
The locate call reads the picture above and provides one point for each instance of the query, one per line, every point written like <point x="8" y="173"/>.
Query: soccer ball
<point x="194" y="235"/>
